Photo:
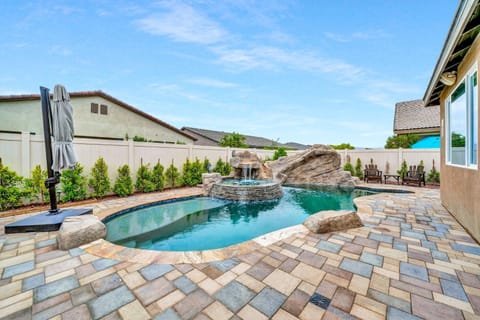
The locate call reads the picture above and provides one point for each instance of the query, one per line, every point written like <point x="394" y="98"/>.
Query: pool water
<point x="206" y="223"/>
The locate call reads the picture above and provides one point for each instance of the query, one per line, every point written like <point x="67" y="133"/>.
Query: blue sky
<point x="306" y="71"/>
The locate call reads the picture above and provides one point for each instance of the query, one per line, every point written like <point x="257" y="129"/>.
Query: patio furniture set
<point x="415" y="175"/>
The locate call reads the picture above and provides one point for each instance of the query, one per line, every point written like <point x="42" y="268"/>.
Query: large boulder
<point x="318" y="165"/>
<point x="78" y="230"/>
<point x="247" y="164"/>
<point x="331" y="220"/>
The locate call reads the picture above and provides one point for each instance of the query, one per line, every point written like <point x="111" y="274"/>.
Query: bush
<point x="224" y="168"/>
<point x="401" y="141"/>
<point x="359" y="169"/>
<point x="99" y="181"/>
<point x="10" y="188"/>
<point x="403" y="169"/>
<point x="187" y="173"/>
<point x="123" y="184"/>
<point x="157" y="177"/>
<point x="348" y="167"/>
<point x="74" y="184"/>
<point x="144" y="180"/>
<point x="172" y="176"/>
<point x="35" y="186"/>
<point x="280" y="152"/>
<point x="207" y="166"/>
<point x="433" y="176"/>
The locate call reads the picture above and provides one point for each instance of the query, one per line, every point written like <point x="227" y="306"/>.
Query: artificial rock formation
<point x="332" y="220"/>
<point x="78" y="230"/>
<point x="248" y="165"/>
<point x="318" y="165"/>
<point x="208" y="180"/>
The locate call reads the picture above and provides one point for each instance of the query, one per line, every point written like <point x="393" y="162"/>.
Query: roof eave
<point x="463" y="13"/>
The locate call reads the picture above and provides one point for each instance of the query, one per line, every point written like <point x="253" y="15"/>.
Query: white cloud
<point x="358" y="35"/>
<point x="212" y="83"/>
<point x="182" y="23"/>
<point x="60" y="51"/>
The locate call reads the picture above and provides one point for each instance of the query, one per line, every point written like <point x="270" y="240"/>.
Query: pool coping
<point x="106" y="249"/>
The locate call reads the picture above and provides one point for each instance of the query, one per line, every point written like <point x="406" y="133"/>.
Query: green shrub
<point x="433" y="175"/>
<point x="280" y="152"/>
<point x="74" y="184"/>
<point x="206" y="166"/>
<point x="99" y="181"/>
<point x="197" y="170"/>
<point x="348" y="167"/>
<point x="123" y="184"/>
<point x="224" y="168"/>
<point x="403" y="169"/>
<point x="144" y="180"/>
<point x="157" y="177"/>
<point x="187" y="173"/>
<point x="172" y="176"/>
<point x="10" y="188"/>
<point x="35" y="186"/>
<point x="359" y="169"/>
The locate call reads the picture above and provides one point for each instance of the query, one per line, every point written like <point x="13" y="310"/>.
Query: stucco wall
<point x="460" y="187"/>
<point x="26" y="116"/>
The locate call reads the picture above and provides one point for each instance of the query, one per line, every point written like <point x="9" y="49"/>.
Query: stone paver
<point x="411" y="261"/>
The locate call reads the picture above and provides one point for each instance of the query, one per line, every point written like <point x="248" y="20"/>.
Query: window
<point x="462" y="123"/>
<point x="103" y="109"/>
<point x="94" y="107"/>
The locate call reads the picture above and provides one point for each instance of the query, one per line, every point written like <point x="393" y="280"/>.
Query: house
<point x="212" y="138"/>
<point x="95" y="115"/>
<point x="454" y="86"/>
<point x="411" y="117"/>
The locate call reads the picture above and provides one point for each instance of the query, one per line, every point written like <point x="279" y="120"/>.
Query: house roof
<point x="463" y="31"/>
<point x="216" y="136"/>
<point x="99" y="93"/>
<point x="412" y="115"/>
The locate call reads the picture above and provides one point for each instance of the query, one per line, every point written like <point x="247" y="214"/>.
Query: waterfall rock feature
<point x="248" y="165"/>
<point x="318" y="165"/>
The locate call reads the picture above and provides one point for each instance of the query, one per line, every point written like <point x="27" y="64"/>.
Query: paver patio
<point x="411" y="260"/>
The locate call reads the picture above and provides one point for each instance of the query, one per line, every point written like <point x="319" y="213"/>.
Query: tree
<point x="157" y="177"/>
<point x="10" y="192"/>
<point x="35" y="186"/>
<point x="172" y="176"/>
<point x="358" y="169"/>
<point x="401" y="141"/>
<point x="123" y="184"/>
<point x="403" y="169"/>
<point x="458" y="140"/>
<point x="235" y="140"/>
<point x="99" y="181"/>
<point x="342" y="146"/>
<point x="280" y="152"/>
<point x="144" y="179"/>
<point x="224" y="168"/>
<point x="74" y="184"/>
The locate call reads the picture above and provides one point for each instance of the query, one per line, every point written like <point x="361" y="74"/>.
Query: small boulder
<point x="331" y="220"/>
<point x="78" y="230"/>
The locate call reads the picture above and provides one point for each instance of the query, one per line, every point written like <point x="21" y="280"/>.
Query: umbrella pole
<point x="53" y="177"/>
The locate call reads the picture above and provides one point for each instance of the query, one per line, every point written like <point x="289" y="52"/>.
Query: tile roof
<point x="412" y="115"/>
<point x="216" y="136"/>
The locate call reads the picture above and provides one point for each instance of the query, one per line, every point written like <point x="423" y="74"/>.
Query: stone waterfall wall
<point x="318" y="165"/>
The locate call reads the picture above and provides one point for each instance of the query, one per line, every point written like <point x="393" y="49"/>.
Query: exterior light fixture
<point x="448" y="78"/>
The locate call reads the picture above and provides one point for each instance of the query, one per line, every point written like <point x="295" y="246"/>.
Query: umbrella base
<point x="44" y="221"/>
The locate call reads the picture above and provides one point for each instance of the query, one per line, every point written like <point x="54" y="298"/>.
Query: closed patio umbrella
<point x="62" y="127"/>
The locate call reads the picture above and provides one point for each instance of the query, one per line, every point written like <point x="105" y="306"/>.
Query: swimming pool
<point x="205" y="223"/>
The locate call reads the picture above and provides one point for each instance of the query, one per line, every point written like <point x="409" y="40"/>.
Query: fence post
<point x="190" y="152"/>
<point x="228" y="154"/>
<point x="25" y="145"/>
<point x="131" y="155"/>
<point x="400" y="157"/>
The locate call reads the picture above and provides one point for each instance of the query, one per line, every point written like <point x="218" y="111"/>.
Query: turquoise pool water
<point x="205" y="223"/>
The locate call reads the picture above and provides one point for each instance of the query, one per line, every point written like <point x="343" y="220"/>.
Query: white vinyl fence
<point x="22" y="152"/>
<point x="393" y="158"/>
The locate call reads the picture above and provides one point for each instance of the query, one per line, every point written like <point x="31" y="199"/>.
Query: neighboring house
<point x="212" y="138"/>
<point x="454" y="85"/>
<point x="411" y="117"/>
<point x="95" y="115"/>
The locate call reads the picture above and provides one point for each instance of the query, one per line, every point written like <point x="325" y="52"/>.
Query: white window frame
<point x="467" y="79"/>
